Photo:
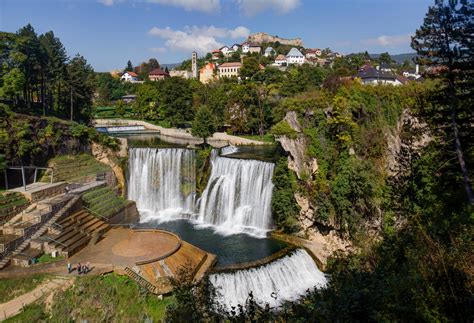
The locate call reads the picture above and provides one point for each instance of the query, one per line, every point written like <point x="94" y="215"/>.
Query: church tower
<point x="194" y="65"/>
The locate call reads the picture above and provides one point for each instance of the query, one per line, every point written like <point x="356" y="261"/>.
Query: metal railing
<point x="96" y="214"/>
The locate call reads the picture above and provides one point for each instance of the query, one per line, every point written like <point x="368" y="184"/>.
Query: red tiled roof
<point x="231" y="64"/>
<point x="132" y="73"/>
<point x="158" y="71"/>
<point x="280" y="58"/>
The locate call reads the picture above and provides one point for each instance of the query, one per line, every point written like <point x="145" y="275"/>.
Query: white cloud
<point x="251" y="8"/>
<point x="208" y="6"/>
<point x="158" y="49"/>
<point x="106" y="2"/>
<point x="201" y="39"/>
<point x="388" y="41"/>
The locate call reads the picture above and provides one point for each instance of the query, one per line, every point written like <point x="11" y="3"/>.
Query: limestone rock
<point x="262" y="37"/>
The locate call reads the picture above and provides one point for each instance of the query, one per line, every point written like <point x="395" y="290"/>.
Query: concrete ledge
<point x="166" y="255"/>
<point x="257" y="263"/>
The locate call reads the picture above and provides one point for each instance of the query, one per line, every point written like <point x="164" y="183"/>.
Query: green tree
<point x="129" y="67"/>
<point x="120" y="108"/>
<point x="386" y="59"/>
<point x="203" y="124"/>
<point x="444" y="40"/>
<point x="81" y="88"/>
<point x="249" y="68"/>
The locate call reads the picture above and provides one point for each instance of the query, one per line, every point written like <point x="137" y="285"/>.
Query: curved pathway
<point x="15" y="306"/>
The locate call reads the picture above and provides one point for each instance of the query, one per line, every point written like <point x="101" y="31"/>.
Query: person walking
<point x="79" y="269"/>
<point x="68" y="267"/>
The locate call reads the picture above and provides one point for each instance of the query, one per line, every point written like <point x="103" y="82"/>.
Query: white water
<point x="162" y="182"/>
<point x="288" y="277"/>
<point x="227" y="150"/>
<point x="238" y="196"/>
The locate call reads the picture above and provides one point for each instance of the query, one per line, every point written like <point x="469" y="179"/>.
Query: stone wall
<point x="262" y="37"/>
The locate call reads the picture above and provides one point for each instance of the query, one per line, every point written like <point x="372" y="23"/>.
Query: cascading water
<point x="227" y="150"/>
<point x="162" y="182"/>
<point x="238" y="196"/>
<point x="288" y="278"/>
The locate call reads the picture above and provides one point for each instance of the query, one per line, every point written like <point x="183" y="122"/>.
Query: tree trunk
<point x="72" y="106"/>
<point x="462" y="162"/>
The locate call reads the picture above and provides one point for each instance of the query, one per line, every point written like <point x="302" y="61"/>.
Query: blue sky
<point x="109" y="32"/>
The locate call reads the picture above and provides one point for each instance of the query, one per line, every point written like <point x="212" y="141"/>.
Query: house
<point x="181" y="73"/>
<point x="413" y="74"/>
<point x="312" y="53"/>
<point x="269" y="52"/>
<point x="207" y="73"/>
<point x="131" y="77"/>
<point x="229" y="69"/>
<point x="374" y="76"/>
<point x="158" y="74"/>
<point x="129" y="98"/>
<point x="251" y="48"/>
<point x="216" y="54"/>
<point x="236" y="47"/>
<point x="226" y="50"/>
<point x="280" y="60"/>
<point x="294" y="56"/>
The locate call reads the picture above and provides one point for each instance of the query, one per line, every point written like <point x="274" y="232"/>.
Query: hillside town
<point x="227" y="61"/>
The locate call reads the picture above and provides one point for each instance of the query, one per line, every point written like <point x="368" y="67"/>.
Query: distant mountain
<point x="398" y="58"/>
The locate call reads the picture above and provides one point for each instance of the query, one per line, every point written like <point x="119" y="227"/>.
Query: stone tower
<point x="194" y="65"/>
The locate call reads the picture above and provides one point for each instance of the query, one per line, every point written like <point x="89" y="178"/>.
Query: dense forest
<point x="394" y="164"/>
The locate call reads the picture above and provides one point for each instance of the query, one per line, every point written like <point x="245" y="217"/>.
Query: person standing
<point x="79" y="269"/>
<point x="68" y="267"/>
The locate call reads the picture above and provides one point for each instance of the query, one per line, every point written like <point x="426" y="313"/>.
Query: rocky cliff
<point x="262" y="37"/>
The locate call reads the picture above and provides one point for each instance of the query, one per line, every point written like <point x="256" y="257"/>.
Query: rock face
<point x="395" y="143"/>
<point x="298" y="161"/>
<point x="107" y="156"/>
<point x="262" y="37"/>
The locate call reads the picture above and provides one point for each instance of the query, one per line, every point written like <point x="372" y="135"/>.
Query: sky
<point x="108" y="33"/>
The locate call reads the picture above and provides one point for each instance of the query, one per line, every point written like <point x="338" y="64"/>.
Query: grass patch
<point x="47" y="258"/>
<point x="108" y="298"/>
<point x="75" y="168"/>
<point x="104" y="201"/>
<point x="30" y="313"/>
<point x="13" y="287"/>
<point x="266" y="138"/>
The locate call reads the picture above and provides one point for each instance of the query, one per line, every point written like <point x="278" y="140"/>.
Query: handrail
<point x="56" y="241"/>
<point x="95" y="213"/>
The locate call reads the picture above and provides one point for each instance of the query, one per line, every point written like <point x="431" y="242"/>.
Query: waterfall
<point x="288" y="277"/>
<point x="227" y="150"/>
<point x="238" y="196"/>
<point x="162" y="182"/>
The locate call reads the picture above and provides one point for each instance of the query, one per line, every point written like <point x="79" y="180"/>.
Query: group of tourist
<point x="81" y="269"/>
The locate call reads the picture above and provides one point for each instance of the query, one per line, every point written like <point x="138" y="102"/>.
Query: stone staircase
<point x="75" y="232"/>
<point x="140" y="280"/>
<point x="39" y="232"/>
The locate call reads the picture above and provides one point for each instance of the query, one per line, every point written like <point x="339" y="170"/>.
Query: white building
<point x="413" y="74"/>
<point x="312" y="53"/>
<point x="131" y="77"/>
<point x="374" y="76"/>
<point x="229" y="69"/>
<point x="251" y="48"/>
<point x="226" y="51"/>
<point x="269" y="52"/>
<point x="181" y="73"/>
<point x="294" y="56"/>
<point x="280" y="60"/>
<point x="236" y="47"/>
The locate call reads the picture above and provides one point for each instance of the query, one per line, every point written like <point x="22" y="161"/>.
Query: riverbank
<point x="219" y="139"/>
